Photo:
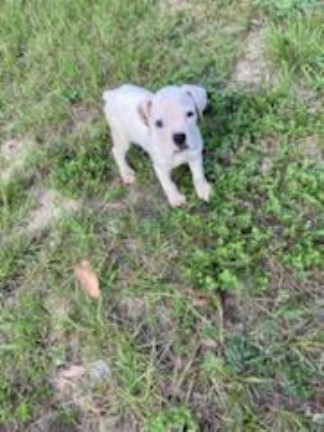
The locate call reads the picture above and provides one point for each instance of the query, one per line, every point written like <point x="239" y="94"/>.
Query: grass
<point x="211" y="315"/>
<point x="295" y="47"/>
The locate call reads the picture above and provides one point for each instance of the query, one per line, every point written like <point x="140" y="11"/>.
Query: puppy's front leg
<point x="203" y="188"/>
<point x="173" y="194"/>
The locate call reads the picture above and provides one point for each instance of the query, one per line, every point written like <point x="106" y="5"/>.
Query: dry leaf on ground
<point x="68" y="377"/>
<point x="87" y="278"/>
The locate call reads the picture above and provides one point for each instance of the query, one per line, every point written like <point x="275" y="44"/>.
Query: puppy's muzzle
<point x="180" y="141"/>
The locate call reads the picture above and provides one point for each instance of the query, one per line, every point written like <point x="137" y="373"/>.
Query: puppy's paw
<point x="177" y="200"/>
<point x="204" y="190"/>
<point x="128" y="176"/>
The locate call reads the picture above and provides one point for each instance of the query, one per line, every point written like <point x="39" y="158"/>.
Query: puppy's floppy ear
<point x="199" y="95"/>
<point x="144" y="110"/>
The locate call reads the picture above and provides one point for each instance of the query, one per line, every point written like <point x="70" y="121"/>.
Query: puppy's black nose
<point x="180" y="140"/>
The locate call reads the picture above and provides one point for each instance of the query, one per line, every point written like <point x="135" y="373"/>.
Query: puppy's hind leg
<point x="119" y="150"/>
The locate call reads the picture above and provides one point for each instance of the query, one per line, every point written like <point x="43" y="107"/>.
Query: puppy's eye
<point x="190" y="114"/>
<point x="159" y="123"/>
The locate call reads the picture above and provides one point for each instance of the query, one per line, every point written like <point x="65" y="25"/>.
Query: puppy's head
<point x="172" y="115"/>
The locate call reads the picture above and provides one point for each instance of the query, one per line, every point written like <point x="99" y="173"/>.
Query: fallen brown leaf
<point x="68" y="377"/>
<point x="87" y="279"/>
<point x="72" y="372"/>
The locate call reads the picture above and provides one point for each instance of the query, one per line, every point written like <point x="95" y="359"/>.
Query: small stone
<point x="318" y="418"/>
<point x="99" y="371"/>
<point x="320" y="315"/>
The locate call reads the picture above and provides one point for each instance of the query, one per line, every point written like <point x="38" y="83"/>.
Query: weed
<point x="295" y="47"/>
<point x="283" y="9"/>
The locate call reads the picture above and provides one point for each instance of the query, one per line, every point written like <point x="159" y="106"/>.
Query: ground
<point x="210" y="316"/>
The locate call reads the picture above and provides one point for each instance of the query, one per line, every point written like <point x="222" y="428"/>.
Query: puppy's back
<point x="122" y="111"/>
<point x="124" y="98"/>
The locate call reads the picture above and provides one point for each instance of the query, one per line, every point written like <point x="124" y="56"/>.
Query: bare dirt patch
<point x="13" y="155"/>
<point x="172" y="4"/>
<point x="251" y="68"/>
<point x="312" y="148"/>
<point x="310" y="97"/>
<point x="133" y="308"/>
<point x="81" y="116"/>
<point x="51" y="205"/>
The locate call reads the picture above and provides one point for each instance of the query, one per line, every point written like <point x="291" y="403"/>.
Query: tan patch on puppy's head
<point x="144" y="110"/>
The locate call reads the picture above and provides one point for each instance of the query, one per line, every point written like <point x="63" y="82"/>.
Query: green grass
<point x="296" y="47"/>
<point x="211" y="315"/>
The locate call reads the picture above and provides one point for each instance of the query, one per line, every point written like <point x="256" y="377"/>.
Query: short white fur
<point x="156" y="122"/>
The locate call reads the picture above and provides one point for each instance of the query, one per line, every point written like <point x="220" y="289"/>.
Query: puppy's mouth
<point x="181" y="148"/>
<point x="177" y="151"/>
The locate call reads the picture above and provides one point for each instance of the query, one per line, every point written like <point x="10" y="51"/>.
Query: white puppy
<point x="164" y="124"/>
